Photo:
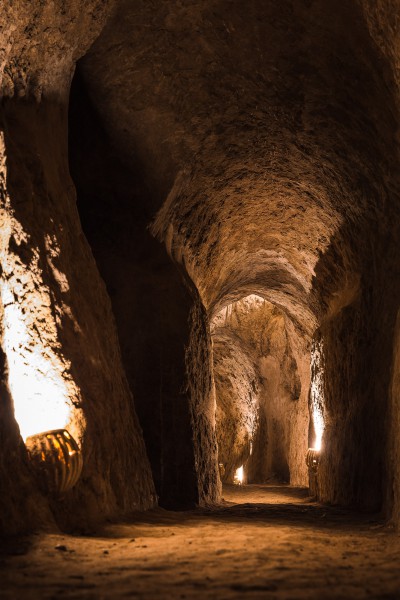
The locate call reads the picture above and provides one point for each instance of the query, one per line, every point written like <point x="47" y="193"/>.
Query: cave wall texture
<point x="218" y="149"/>
<point x="64" y="317"/>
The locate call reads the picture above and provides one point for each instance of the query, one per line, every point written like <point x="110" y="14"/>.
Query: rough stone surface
<point x="41" y="41"/>
<point x="57" y="318"/>
<point x="223" y="128"/>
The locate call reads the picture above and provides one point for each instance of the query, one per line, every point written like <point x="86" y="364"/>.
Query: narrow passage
<point x="265" y="541"/>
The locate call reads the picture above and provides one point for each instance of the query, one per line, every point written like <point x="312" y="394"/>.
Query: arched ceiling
<point x="266" y="131"/>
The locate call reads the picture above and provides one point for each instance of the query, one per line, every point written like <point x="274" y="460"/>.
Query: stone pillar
<point x="58" y="320"/>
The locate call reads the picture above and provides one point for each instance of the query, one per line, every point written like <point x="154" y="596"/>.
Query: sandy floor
<point x="264" y="542"/>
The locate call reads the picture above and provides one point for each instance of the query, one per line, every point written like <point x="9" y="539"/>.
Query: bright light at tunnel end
<point x="317" y="392"/>
<point x="38" y="373"/>
<point x="239" y="476"/>
<point x="319" y="430"/>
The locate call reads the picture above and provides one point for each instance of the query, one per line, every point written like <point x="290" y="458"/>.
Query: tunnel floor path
<point x="264" y="541"/>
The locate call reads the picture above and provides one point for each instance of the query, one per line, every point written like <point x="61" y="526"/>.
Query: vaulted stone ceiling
<point x="271" y="129"/>
<point x="265" y="137"/>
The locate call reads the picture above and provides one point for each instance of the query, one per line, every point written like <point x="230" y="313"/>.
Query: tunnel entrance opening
<point x="261" y="385"/>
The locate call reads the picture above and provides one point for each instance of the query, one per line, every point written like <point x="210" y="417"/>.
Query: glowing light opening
<point x="319" y="429"/>
<point x="317" y="392"/>
<point x="38" y="373"/>
<point x="239" y="476"/>
<point x="37" y="387"/>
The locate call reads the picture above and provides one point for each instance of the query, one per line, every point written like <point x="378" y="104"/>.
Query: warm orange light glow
<point x="38" y="374"/>
<point x="57" y="460"/>
<point x="318" y="436"/>
<point x="319" y="429"/>
<point x="317" y="391"/>
<point x="313" y="458"/>
<point x="239" y="476"/>
<point x="38" y="390"/>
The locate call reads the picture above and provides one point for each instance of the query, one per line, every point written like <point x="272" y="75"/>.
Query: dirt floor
<point x="264" y="542"/>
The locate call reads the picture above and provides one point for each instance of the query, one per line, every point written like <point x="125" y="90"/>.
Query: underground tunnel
<point x="199" y="282"/>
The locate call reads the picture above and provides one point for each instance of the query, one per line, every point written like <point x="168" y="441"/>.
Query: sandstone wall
<point x="57" y="320"/>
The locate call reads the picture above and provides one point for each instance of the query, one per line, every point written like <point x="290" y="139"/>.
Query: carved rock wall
<point x="58" y="331"/>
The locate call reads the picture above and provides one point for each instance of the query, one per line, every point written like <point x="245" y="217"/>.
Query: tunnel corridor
<point x="200" y="292"/>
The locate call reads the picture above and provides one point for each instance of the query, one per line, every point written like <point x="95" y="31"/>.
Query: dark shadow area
<point x="151" y="300"/>
<point x="313" y="517"/>
<point x="15" y="546"/>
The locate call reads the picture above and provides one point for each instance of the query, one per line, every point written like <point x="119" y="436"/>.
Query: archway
<point x="262" y="382"/>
